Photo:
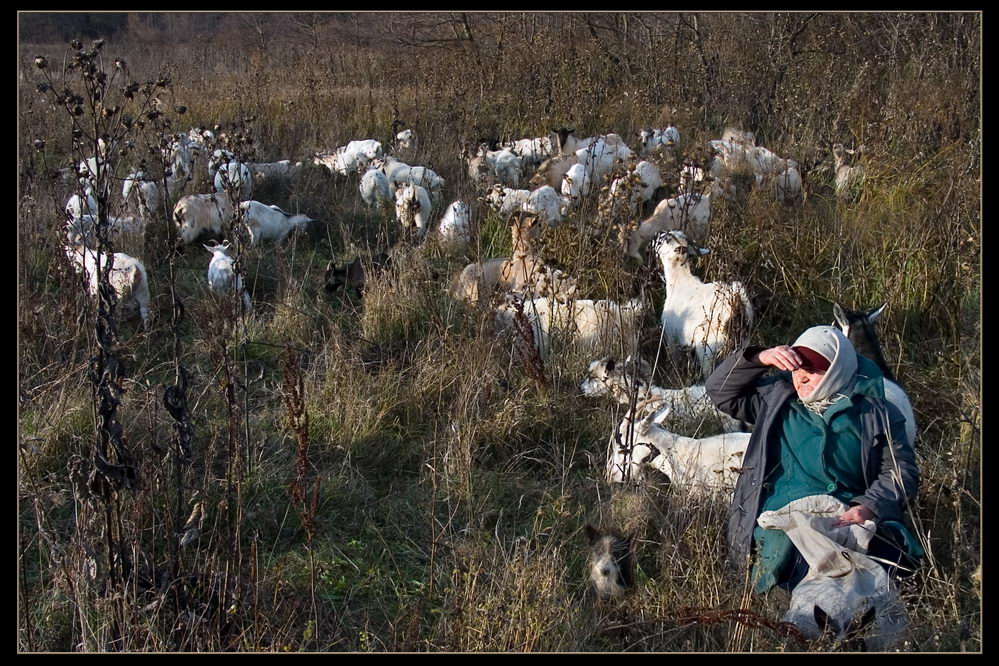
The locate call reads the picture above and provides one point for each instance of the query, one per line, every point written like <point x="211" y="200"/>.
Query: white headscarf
<point x="838" y="350"/>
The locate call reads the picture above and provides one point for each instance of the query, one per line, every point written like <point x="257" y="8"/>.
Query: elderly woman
<point x="822" y="427"/>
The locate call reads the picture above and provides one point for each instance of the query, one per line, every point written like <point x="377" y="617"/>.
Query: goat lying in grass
<point x="705" y="467"/>
<point x="633" y="379"/>
<point x="593" y="324"/>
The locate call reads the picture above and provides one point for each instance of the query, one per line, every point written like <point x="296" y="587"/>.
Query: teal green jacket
<point x="886" y="464"/>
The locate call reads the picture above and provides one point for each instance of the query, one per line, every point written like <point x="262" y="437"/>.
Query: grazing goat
<point x="82" y="229"/>
<point x="599" y="157"/>
<point x="710" y="317"/>
<point x="637" y="186"/>
<point x="128" y="275"/>
<point x="552" y="171"/>
<point x="858" y="326"/>
<point x="146" y="197"/>
<point x="269" y="222"/>
<point x="532" y="152"/>
<point x="222" y="276"/>
<point x="707" y="467"/>
<point x="195" y="214"/>
<point x="77" y="206"/>
<point x="374" y="187"/>
<point x="631" y="379"/>
<point x="503" y="165"/>
<point x="651" y="139"/>
<point x="543" y="202"/>
<point x="234" y="177"/>
<point x="353" y="157"/>
<point x="597" y="324"/>
<point x="455" y="227"/>
<point x="412" y="208"/>
<point x="689" y="213"/>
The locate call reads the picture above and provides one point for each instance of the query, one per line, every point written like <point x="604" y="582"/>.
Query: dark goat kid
<point x="858" y="326"/>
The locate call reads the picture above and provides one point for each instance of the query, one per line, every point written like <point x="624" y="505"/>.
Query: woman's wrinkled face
<point x="805" y="381"/>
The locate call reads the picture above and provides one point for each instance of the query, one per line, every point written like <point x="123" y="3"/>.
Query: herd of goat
<point x="529" y="183"/>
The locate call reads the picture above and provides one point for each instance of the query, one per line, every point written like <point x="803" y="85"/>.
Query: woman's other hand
<point x="855" y="515"/>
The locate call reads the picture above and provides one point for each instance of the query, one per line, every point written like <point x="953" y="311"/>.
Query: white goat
<point x="222" y="276"/>
<point x="533" y="152"/>
<point x="599" y="157"/>
<point x="145" y="197"/>
<point x="787" y="184"/>
<point x="412" y="208"/>
<point x="374" y="187"/>
<point x="710" y="317"/>
<point x="576" y="183"/>
<point x="82" y="229"/>
<point x="406" y="140"/>
<point x="623" y="381"/>
<point x="269" y="222"/>
<point x="128" y="276"/>
<point x="353" y="157"/>
<point x="400" y="172"/>
<point x="650" y="139"/>
<point x="195" y="214"/>
<point x="455" y="227"/>
<point x="689" y="213"/>
<point x="706" y="467"/>
<point x="234" y="177"/>
<point x="642" y="190"/>
<point x="219" y="157"/>
<point x="78" y="206"/>
<point x="598" y="324"/>
<point x="504" y="165"/>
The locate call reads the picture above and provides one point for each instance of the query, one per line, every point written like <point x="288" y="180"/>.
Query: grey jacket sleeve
<point x="898" y="478"/>
<point x="731" y="386"/>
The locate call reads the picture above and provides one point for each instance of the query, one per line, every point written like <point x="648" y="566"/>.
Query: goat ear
<point x="698" y="251"/>
<point x="610" y="364"/>
<point x="841" y="318"/>
<point x="592" y="534"/>
<point x="659" y="417"/>
<point x="210" y="249"/>
<point x="874" y="314"/>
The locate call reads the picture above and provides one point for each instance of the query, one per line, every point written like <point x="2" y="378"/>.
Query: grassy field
<point x="383" y="474"/>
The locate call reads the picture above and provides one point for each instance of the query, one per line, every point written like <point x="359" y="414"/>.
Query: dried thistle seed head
<point x="76" y="44"/>
<point x="77" y="133"/>
<point x="39" y="144"/>
<point x="98" y="45"/>
<point x="41" y="62"/>
<point x="77" y="110"/>
<point x="43" y="87"/>
<point x="120" y="64"/>
<point x="181" y="109"/>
